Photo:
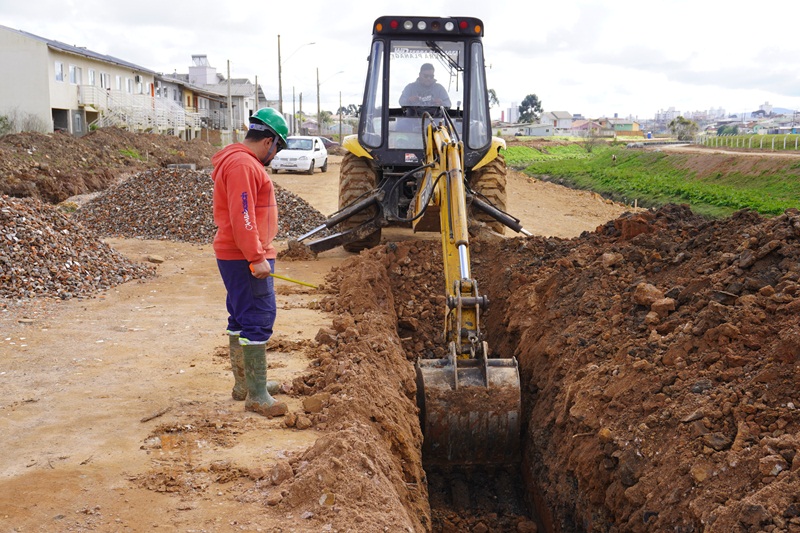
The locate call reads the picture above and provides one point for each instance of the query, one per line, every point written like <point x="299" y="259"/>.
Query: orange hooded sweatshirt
<point x="245" y="210"/>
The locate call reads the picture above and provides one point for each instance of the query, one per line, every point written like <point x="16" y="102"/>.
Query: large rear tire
<point x="490" y="181"/>
<point x="356" y="178"/>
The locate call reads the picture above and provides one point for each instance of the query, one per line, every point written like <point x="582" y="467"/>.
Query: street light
<point x="280" y="65"/>
<point x="319" y="109"/>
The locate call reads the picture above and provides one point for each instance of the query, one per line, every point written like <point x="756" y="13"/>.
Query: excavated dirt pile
<point x="53" y="167"/>
<point x="659" y="367"/>
<point x="659" y="359"/>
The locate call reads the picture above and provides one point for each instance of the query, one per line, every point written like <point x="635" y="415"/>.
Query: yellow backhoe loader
<point x="424" y="156"/>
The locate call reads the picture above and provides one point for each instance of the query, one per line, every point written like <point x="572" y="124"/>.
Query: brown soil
<point x="54" y="167"/>
<point x="658" y="355"/>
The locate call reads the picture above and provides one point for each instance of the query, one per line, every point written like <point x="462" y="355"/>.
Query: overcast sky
<point x="593" y="57"/>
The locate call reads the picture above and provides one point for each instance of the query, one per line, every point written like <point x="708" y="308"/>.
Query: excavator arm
<point x="469" y="401"/>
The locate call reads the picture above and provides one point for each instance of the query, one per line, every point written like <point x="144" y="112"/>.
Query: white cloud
<point x="595" y="57"/>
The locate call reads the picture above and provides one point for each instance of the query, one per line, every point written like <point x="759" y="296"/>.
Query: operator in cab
<point x="425" y="91"/>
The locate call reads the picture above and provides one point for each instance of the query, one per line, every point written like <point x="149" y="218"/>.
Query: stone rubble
<point x="176" y="204"/>
<point x="45" y="253"/>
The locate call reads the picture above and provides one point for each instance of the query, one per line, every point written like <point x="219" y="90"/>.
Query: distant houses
<point x="563" y="123"/>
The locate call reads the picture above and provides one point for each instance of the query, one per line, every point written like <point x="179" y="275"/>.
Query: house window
<point x="119" y="83"/>
<point x="91" y="77"/>
<point x="59" y="71"/>
<point x="105" y="80"/>
<point x="75" y="75"/>
<point x="129" y="85"/>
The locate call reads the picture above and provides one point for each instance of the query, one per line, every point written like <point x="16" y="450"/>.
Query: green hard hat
<point x="273" y="120"/>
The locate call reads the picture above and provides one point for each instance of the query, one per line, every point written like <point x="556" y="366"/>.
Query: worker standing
<point x="246" y="215"/>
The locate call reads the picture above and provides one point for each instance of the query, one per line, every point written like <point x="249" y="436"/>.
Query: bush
<point x="5" y="125"/>
<point x="16" y="121"/>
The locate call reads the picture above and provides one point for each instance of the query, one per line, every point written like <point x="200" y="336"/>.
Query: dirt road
<point x="116" y="412"/>
<point x="699" y="149"/>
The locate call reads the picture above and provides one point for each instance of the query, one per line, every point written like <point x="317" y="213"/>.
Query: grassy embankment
<point x="657" y="178"/>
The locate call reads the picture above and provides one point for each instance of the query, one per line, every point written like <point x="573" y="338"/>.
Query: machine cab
<point x="420" y="65"/>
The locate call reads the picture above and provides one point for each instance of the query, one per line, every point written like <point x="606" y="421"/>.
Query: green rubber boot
<point x="255" y="373"/>
<point x="239" y="392"/>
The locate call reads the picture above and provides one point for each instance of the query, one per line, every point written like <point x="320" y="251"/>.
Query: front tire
<point x="490" y="180"/>
<point x="357" y="177"/>
<point x="310" y="170"/>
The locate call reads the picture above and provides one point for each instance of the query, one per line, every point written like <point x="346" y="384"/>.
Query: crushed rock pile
<point x="44" y="253"/>
<point x="176" y="204"/>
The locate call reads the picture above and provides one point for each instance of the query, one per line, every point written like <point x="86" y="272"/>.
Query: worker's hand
<point x="261" y="270"/>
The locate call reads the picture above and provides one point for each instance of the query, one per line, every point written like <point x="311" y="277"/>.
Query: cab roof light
<point x="421" y="25"/>
<point x="408" y="25"/>
<point x="449" y="26"/>
<point x="463" y="24"/>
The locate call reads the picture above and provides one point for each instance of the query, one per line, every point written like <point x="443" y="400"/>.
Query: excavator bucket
<point x="469" y="410"/>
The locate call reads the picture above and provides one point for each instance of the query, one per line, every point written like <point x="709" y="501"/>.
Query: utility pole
<point x="319" y="114"/>
<point x="301" y="113"/>
<point x="340" y="117"/>
<point x="230" y="101"/>
<point x="280" y="83"/>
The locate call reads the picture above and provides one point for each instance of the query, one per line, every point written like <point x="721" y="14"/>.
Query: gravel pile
<point x="44" y="253"/>
<point x="176" y="204"/>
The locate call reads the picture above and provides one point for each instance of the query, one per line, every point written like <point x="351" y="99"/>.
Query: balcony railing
<point x="137" y="112"/>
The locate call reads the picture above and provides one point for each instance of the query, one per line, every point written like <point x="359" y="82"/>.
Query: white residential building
<point x="50" y="85"/>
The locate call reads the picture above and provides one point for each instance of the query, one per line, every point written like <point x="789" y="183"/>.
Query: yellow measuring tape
<point x="285" y="278"/>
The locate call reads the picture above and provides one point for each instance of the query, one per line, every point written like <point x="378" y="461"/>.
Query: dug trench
<point x="659" y="373"/>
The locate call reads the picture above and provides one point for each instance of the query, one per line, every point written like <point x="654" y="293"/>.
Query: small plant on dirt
<point x="68" y="207"/>
<point x="591" y="140"/>
<point x="132" y="153"/>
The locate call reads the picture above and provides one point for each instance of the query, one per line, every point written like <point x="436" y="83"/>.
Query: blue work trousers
<point x="250" y="301"/>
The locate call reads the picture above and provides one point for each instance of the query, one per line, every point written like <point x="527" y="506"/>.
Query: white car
<point x="302" y="153"/>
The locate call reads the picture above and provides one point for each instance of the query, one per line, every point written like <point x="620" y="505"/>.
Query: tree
<point x="350" y="110"/>
<point x="326" y="117"/>
<point x="530" y="109"/>
<point x="683" y="128"/>
<point x="728" y="130"/>
<point x="493" y="101"/>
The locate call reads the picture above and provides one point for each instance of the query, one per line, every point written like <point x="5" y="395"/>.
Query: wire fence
<point x="772" y="142"/>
